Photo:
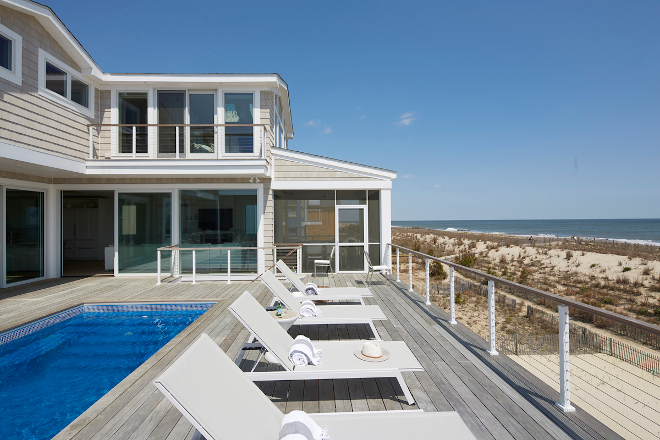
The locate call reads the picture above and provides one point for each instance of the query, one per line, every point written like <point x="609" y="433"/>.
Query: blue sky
<point x="487" y="110"/>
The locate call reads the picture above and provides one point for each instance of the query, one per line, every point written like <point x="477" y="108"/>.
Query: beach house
<point x="99" y="170"/>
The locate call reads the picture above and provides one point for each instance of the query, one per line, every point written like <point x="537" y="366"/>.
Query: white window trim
<point x="16" y="74"/>
<point x="70" y="72"/>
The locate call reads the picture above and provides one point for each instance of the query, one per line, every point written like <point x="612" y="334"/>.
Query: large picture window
<point x="215" y="219"/>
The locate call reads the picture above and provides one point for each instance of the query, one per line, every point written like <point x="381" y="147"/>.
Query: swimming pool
<point x="53" y="370"/>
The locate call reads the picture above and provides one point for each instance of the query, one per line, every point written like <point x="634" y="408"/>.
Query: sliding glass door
<point x="171" y="110"/>
<point x="24" y="235"/>
<point x="201" y="109"/>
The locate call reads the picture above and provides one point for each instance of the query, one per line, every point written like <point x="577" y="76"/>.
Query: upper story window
<point x="133" y="109"/>
<point x="11" y="52"/>
<point x="239" y="110"/>
<point x="59" y="81"/>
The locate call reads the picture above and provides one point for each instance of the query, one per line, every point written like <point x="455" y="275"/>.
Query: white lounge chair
<point x="338" y="360"/>
<point x="331" y="293"/>
<point x="330" y="314"/>
<point x="221" y="403"/>
<point x="381" y="268"/>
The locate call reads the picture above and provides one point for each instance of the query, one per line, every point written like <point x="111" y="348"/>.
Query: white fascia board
<point x="176" y="167"/>
<point x="36" y="157"/>
<point x="58" y="30"/>
<point x="330" y="184"/>
<point x="177" y="78"/>
<point x="333" y="164"/>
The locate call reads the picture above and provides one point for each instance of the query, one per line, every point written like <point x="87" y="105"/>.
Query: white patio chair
<point x="325" y="263"/>
<point x="221" y="403"/>
<point x="327" y="293"/>
<point x="338" y="360"/>
<point x="382" y="268"/>
<point x="330" y="314"/>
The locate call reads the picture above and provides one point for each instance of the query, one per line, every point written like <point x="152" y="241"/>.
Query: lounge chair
<point x="324" y="263"/>
<point x="338" y="361"/>
<point x="381" y="268"/>
<point x="221" y="403"/>
<point x="332" y="293"/>
<point x="330" y="314"/>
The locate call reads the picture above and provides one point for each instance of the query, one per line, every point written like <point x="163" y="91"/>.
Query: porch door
<point x="171" y="110"/>
<point x="351" y="231"/>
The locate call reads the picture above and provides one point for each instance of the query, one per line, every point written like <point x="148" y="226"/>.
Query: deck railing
<point x="226" y="261"/>
<point x="563" y="310"/>
<point x="182" y="133"/>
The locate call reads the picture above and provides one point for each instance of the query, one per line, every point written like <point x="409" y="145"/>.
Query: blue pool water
<point x="51" y="376"/>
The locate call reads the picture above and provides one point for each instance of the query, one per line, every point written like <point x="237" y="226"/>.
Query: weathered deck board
<point x="496" y="398"/>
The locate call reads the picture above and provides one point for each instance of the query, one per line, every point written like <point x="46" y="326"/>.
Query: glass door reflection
<point x="24" y="235"/>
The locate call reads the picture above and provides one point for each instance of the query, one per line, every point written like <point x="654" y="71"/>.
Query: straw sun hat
<point x="372" y="352"/>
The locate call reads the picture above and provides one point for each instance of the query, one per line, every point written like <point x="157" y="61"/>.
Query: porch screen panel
<point x="24" y="235"/>
<point x="145" y="221"/>
<point x="306" y="217"/>
<point x="373" y="208"/>
<point x="133" y="109"/>
<point x="214" y="220"/>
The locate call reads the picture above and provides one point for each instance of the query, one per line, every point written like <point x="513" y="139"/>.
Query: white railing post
<point x="263" y="142"/>
<point x="397" y="266"/>
<point x="299" y="260"/>
<point x="275" y="260"/>
<point x="176" y="153"/>
<point x="452" y="297"/>
<point x="491" y="318"/>
<point x="91" y="142"/>
<point x="134" y="141"/>
<point x="564" y="362"/>
<point x="410" y="286"/>
<point x="428" y="282"/>
<point x="228" y="266"/>
<point x="194" y="264"/>
<point x="158" y="269"/>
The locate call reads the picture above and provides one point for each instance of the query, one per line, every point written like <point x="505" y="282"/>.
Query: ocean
<point x="640" y="231"/>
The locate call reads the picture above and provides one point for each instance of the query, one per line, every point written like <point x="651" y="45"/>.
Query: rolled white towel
<point x="311" y="289"/>
<point x="303" y="352"/>
<point x="297" y="425"/>
<point x="308" y="309"/>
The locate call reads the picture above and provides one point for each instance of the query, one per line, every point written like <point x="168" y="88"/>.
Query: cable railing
<point x="212" y="261"/>
<point x="563" y="303"/>
<point x="179" y="141"/>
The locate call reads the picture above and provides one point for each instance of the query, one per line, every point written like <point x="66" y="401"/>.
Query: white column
<point x="491" y="318"/>
<point x="410" y="286"/>
<point x="158" y="266"/>
<point x="428" y="282"/>
<point x="228" y="266"/>
<point x="194" y="271"/>
<point x="134" y="141"/>
<point x="564" y="362"/>
<point x="176" y="153"/>
<point x="452" y="311"/>
<point x="397" y="265"/>
<point x="52" y="233"/>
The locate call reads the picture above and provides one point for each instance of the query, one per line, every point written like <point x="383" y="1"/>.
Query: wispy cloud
<point x="406" y="118"/>
<point x="312" y="123"/>
<point x="407" y="176"/>
<point x="363" y="117"/>
<point x="326" y="130"/>
<point x="437" y="186"/>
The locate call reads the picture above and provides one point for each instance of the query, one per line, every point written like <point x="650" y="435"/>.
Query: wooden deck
<point x="496" y="398"/>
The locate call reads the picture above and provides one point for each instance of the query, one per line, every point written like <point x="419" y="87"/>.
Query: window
<point x="58" y="81"/>
<point x="55" y="79"/>
<point x="6" y="59"/>
<point x="239" y="110"/>
<point x="133" y="109"/>
<point x="11" y="53"/>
